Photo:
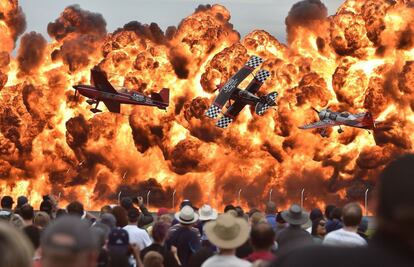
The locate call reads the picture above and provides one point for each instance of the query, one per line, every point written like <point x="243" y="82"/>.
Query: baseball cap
<point x="21" y="201"/>
<point x="118" y="240"/>
<point x="7" y="201"/>
<point x="68" y="234"/>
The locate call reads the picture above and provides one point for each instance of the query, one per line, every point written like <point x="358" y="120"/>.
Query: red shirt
<point x="260" y="255"/>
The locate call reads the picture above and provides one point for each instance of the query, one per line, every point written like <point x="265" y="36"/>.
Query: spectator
<point x="162" y="211"/>
<point x="183" y="238"/>
<point x="27" y="213"/>
<point x="105" y="209"/>
<point x="362" y="228"/>
<point x="101" y="233"/>
<point x="347" y="236"/>
<point x="75" y="208"/>
<point x="69" y="242"/>
<point x="240" y="212"/>
<point x="328" y="211"/>
<point x="153" y="259"/>
<point x="318" y="230"/>
<point x="229" y="207"/>
<point x="119" y="249"/>
<point x="47" y="206"/>
<point x="334" y="223"/>
<point x="21" y="200"/>
<point x="166" y="218"/>
<point x="227" y="233"/>
<point x="146" y="218"/>
<point x="17" y="221"/>
<point x="262" y="237"/>
<point x="121" y="216"/>
<point x="33" y="234"/>
<point x="60" y="212"/>
<point x="109" y="220"/>
<point x="136" y="235"/>
<point x="159" y="232"/>
<point x="256" y="218"/>
<point x="392" y="243"/>
<point x="293" y="236"/>
<point x="6" y="208"/>
<point x="207" y="213"/>
<point x="41" y="219"/>
<point x="271" y="213"/>
<point x="280" y="223"/>
<point x="15" y="248"/>
<point x="126" y="203"/>
<point x="315" y="214"/>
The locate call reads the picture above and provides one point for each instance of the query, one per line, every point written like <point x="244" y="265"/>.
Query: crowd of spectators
<point x="129" y="235"/>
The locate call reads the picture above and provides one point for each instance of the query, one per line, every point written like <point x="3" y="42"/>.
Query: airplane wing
<point x="231" y="85"/>
<point x="230" y="114"/>
<point x="320" y="124"/>
<point x="101" y="82"/>
<point x="260" y="77"/>
<point x="112" y="106"/>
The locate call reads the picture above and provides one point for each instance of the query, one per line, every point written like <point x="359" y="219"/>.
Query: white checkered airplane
<point x="242" y="97"/>
<point x="328" y="118"/>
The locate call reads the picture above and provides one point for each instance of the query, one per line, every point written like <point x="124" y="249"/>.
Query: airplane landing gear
<point x="340" y="130"/>
<point x="95" y="109"/>
<point x="324" y="132"/>
<point x="91" y="101"/>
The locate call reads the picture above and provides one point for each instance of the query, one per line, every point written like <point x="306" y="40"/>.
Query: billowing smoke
<point x="31" y="51"/>
<point x="305" y="14"/>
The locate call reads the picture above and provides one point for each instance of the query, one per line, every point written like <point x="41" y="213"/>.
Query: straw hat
<point x="186" y="215"/>
<point x="227" y="231"/>
<point x="295" y="215"/>
<point x="207" y="213"/>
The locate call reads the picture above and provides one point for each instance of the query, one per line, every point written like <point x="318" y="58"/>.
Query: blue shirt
<point x="271" y="219"/>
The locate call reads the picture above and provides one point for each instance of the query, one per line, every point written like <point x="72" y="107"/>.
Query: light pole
<point x="238" y="197"/>
<point x="173" y="199"/>
<point x="119" y="197"/>
<point x="148" y="194"/>
<point x="366" y="202"/>
<point x="270" y="194"/>
<point x="125" y="173"/>
<point x="301" y="197"/>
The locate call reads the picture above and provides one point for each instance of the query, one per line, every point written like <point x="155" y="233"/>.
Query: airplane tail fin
<point x="162" y="96"/>
<point x="368" y="120"/>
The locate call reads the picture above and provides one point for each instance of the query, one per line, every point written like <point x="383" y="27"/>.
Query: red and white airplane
<point x="329" y="118"/>
<point x="102" y="90"/>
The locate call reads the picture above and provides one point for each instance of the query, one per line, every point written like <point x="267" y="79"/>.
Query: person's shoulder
<point x="210" y="261"/>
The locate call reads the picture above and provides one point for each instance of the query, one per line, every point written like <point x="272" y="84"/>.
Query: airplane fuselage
<point x="133" y="98"/>
<point x="345" y="118"/>
<point x="245" y="96"/>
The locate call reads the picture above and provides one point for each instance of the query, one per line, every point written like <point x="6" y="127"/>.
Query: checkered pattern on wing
<point x="263" y="109"/>
<point x="262" y="75"/>
<point x="213" y="112"/>
<point x="254" y="62"/>
<point x="224" y="121"/>
<point x="273" y="96"/>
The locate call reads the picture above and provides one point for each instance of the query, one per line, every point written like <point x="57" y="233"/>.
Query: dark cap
<point x="118" y="240"/>
<point x="186" y="202"/>
<point x="68" y="234"/>
<point x="126" y="203"/>
<point x="46" y="206"/>
<point x="21" y="201"/>
<point x="7" y="201"/>
<point x="133" y="214"/>
<point x="109" y="220"/>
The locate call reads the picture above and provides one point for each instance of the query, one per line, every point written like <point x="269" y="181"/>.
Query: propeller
<point x="76" y="92"/>
<point x="317" y="111"/>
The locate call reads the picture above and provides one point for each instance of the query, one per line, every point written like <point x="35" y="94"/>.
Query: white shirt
<point x="138" y="236"/>
<point x="225" y="261"/>
<point x="343" y="238"/>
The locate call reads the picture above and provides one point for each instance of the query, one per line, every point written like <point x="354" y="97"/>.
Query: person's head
<point x="126" y="203"/>
<point x="328" y="210"/>
<point x="21" y="200"/>
<point x="153" y="259"/>
<point x="109" y="220"/>
<point x="186" y="216"/>
<point x="363" y="225"/>
<point x="106" y="209"/>
<point x="295" y="216"/>
<point x="351" y="214"/>
<point x="118" y="241"/>
<point x="395" y="209"/>
<point x="207" y="213"/>
<point x="185" y="202"/>
<point x="41" y="219"/>
<point x="318" y="227"/>
<point x="46" y="205"/>
<point x="32" y="232"/>
<point x="315" y="214"/>
<point x="133" y="215"/>
<point x="15" y="249"/>
<point x="257" y="218"/>
<point x="159" y="232"/>
<point x="17" y="221"/>
<point x="227" y="232"/>
<point x="270" y="208"/>
<point x="7" y="202"/>
<point x="262" y="237"/>
<point x="75" y="208"/>
<point x="60" y="212"/>
<point x="336" y="214"/>
<point x="68" y="241"/>
<point x="27" y="213"/>
<point x="120" y="215"/>
<point x="229" y="207"/>
<point x="166" y="218"/>
<point x="240" y="212"/>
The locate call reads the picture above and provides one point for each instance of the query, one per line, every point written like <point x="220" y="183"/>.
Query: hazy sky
<point x="247" y="15"/>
